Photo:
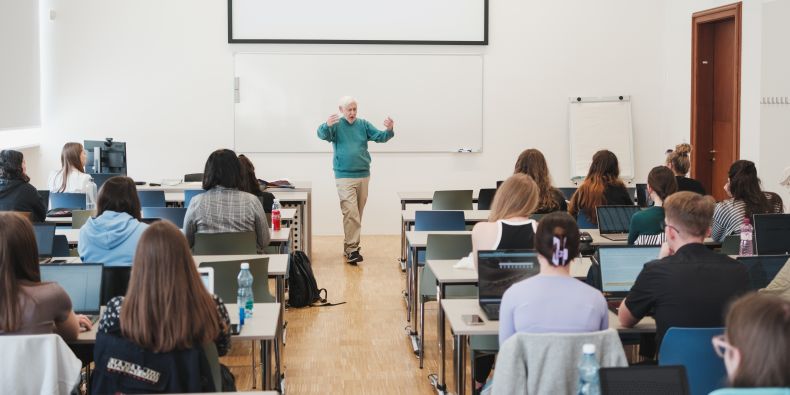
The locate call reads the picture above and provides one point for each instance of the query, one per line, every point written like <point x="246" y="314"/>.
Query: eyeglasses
<point x="665" y="225"/>
<point x="720" y="345"/>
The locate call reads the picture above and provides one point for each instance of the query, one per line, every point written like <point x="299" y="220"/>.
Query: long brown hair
<point x="662" y="181"/>
<point x="759" y="326"/>
<point x="679" y="159"/>
<point x="532" y="163"/>
<point x="167" y="307"/>
<point x="70" y="159"/>
<point x="516" y="197"/>
<point x="249" y="182"/>
<point x="745" y="186"/>
<point x="119" y="194"/>
<point x="604" y="171"/>
<point x="18" y="261"/>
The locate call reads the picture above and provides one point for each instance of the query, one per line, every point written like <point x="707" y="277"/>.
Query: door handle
<point x="713" y="151"/>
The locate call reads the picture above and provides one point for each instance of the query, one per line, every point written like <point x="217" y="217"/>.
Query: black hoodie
<point x="18" y="195"/>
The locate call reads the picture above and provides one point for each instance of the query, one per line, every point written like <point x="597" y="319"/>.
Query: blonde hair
<point x="679" y="159"/>
<point x="690" y="211"/>
<point x="517" y="197"/>
<point x="70" y="159"/>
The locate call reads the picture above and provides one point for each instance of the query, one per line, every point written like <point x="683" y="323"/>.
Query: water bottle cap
<point x="588" y="348"/>
<point x="245" y="265"/>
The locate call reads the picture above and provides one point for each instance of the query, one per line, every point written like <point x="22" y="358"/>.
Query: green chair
<point x="233" y="243"/>
<point x="731" y="245"/>
<point x="442" y="247"/>
<point x="452" y="200"/>
<point x="226" y="283"/>
<point x="80" y="217"/>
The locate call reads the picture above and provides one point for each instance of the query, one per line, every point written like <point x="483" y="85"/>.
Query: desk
<point x="598" y="240"/>
<point x="287" y="215"/>
<point x="455" y="309"/>
<point x="262" y="326"/>
<point x="407" y="221"/>
<point x="278" y="238"/>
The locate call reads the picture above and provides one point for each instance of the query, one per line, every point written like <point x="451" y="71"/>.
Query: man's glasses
<point x="665" y="225"/>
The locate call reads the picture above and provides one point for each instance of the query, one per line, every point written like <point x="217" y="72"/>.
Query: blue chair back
<point x="691" y="347"/>
<point x="100" y="178"/>
<point x="172" y="214"/>
<point x="584" y="222"/>
<point x="189" y="194"/>
<point x="151" y="198"/>
<point x="439" y="220"/>
<point x="74" y="201"/>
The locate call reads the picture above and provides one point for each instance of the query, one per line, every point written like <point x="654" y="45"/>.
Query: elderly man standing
<point x="349" y="137"/>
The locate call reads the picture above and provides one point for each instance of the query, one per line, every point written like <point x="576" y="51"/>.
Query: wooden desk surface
<point x="446" y="273"/>
<point x="280" y="236"/>
<point x="469" y="215"/>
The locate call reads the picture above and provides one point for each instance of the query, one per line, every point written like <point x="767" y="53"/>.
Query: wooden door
<point x="715" y="103"/>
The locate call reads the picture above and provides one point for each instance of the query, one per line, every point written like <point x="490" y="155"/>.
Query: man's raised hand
<point x="333" y="119"/>
<point x="389" y="123"/>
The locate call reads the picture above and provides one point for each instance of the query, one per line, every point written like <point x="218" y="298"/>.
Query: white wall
<point x="19" y="66"/>
<point x="159" y="76"/>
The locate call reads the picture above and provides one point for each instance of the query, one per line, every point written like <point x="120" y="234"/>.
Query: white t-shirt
<point x="77" y="182"/>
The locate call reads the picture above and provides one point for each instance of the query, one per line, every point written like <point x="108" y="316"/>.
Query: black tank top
<point x="516" y="237"/>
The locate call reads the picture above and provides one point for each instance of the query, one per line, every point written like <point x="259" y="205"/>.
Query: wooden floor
<point x="360" y="347"/>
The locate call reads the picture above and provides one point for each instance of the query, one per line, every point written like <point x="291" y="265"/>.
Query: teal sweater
<point x="350" y="143"/>
<point x="646" y="222"/>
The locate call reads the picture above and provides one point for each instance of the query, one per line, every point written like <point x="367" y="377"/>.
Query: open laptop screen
<point x="81" y="281"/>
<point x="763" y="268"/>
<point x="45" y="239"/>
<point x="615" y="219"/>
<point x="620" y="265"/>
<point x="497" y="270"/>
<point x="772" y="234"/>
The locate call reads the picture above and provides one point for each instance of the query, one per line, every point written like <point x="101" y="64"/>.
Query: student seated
<point x="111" y="238"/>
<point x="746" y="199"/>
<point x="780" y="285"/>
<point x="756" y="346"/>
<point x="689" y="285"/>
<point x="28" y="306"/>
<point x="223" y="207"/>
<point x="647" y="225"/>
<point x="249" y="184"/>
<point x="16" y="193"/>
<point x="679" y="162"/>
<point x="71" y="177"/>
<point x="601" y="187"/>
<point x="532" y="163"/>
<point x="509" y="226"/>
<point x="166" y="307"/>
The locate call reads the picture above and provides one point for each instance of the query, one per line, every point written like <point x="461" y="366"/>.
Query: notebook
<point x="614" y="221"/>
<point x="620" y="265"/>
<point x="82" y="282"/>
<point x="497" y="270"/>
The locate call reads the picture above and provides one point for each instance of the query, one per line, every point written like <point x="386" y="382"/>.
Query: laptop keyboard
<point x="492" y="311"/>
<point x="616" y="236"/>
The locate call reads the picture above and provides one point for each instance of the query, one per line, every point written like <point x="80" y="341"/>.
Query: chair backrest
<point x="193" y="177"/>
<point x="691" y="347"/>
<point x="585" y="222"/>
<point x="439" y="220"/>
<point x="485" y="198"/>
<point x="644" y="380"/>
<point x="189" y="194"/>
<point x="80" y="217"/>
<point x="60" y="246"/>
<point x="448" y="246"/>
<point x="731" y="245"/>
<point x="226" y="274"/>
<point x="172" y="214"/>
<point x="151" y="198"/>
<point x="452" y="200"/>
<point x="115" y="282"/>
<point x="74" y="201"/>
<point x="57" y="369"/>
<point x="232" y="243"/>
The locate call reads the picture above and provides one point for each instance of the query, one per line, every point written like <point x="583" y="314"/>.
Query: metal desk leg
<point x="403" y="245"/>
<point x="459" y="362"/>
<point x="280" y="298"/>
<point x="266" y="368"/>
<point x="413" y="302"/>
<point x="441" y="386"/>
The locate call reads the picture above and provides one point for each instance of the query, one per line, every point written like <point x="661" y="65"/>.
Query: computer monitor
<point x="82" y="282"/>
<point x="772" y="234"/>
<point x="620" y="265"/>
<point x="642" y="197"/>
<point x="615" y="219"/>
<point x="106" y="156"/>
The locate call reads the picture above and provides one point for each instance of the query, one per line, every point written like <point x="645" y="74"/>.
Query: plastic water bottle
<point x="90" y="195"/>
<point x="244" y="297"/>
<point x="276" y="224"/>
<point x="746" y="238"/>
<point x="588" y="372"/>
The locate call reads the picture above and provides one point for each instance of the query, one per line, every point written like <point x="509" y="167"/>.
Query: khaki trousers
<point x="353" y="193"/>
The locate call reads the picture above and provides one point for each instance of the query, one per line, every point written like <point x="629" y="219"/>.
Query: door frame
<point x="730" y="11"/>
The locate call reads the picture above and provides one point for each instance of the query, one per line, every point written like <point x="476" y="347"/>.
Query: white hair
<point x="346" y="101"/>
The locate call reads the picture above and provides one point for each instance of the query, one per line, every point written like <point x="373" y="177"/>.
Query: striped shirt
<point x="728" y="215"/>
<point x="222" y="210"/>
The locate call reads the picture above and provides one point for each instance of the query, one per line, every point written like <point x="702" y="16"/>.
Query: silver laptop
<point x="614" y="221"/>
<point x="497" y="270"/>
<point x="82" y="282"/>
<point x="620" y="265"/>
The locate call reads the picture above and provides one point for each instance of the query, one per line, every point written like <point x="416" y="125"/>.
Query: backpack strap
<point x="323" y="301"/>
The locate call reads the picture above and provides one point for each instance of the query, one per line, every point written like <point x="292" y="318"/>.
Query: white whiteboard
<point x="359" y="21"/>
<point x="600" y="123"/>
<point x="436" y="101"/>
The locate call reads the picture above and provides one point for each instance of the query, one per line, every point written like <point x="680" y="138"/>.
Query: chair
<point x="73" y="201"/>
<point x="231" y="243"/>
<point x="61" y="246"/>
<point x="585" y="222"/>
<point x="568" y="192"/>
<point x="644" y="380"/>
<point x="193" y="177"/>
<point x="691" y="347"/>
<point x="731" y="245"/>
<point x="100" y="178"/>
<point x="452" y="200"/>
<point x="436" y="221"/>
<point x="226" y="283"/>
<point x="38" y="364"/>
<point x="151" y="198"/>
<point x="114" y="282"/>
<point x="172" y="214"/>
<point x="442" y="247"/>
<point x="80" y="217"/>
<point x="189" y="194"/>
<point x="485" y="198"/>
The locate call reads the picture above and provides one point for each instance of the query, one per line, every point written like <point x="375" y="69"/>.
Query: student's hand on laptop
<point x="85" y="323"/>
<point x="665" y="251"/>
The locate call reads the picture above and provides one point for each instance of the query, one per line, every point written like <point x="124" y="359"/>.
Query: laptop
<point x="497" y="270"/>
<point x="82" y="282"/>
<point x="614" y="221"/>
<point x="644" y="380"/>
<point x="763" y="268"/>
<point x="620" y="265"/>
<point x="772" y="234"/>
<point x="45" y="240"/>
<point x="207" y="276"/>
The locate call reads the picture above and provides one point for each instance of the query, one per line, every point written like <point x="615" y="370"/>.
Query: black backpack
<point x="303" y="290"/>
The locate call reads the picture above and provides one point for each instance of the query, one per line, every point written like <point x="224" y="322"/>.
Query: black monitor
<point x="772" y="234"/>
<point x="106" y="156"/>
